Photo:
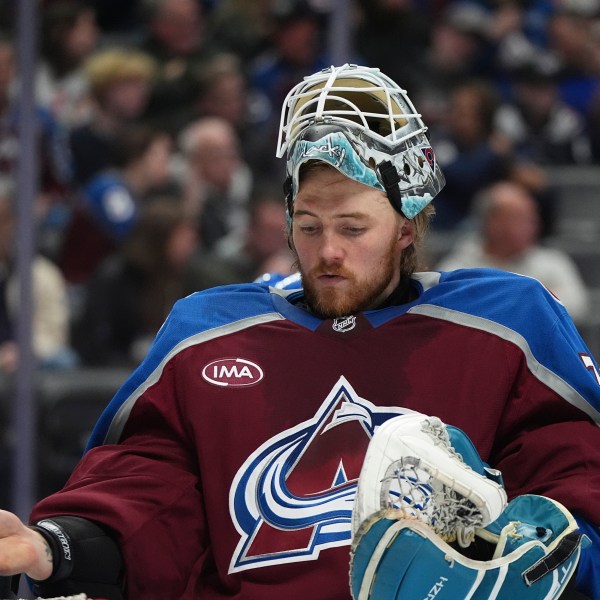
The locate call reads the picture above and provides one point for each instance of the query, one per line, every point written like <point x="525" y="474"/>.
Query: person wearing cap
<point x="293" y="51"/>
<point x="227" y="464"/>
<point x="542" y="128"/>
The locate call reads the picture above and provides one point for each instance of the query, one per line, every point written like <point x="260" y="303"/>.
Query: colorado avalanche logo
<point x="279" y="518"/>
<point x="429" y="156"/>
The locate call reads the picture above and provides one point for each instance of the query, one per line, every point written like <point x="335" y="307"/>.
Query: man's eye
<point x="354" y="230"/>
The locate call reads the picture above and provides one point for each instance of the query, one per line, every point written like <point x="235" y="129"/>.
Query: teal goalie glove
<point x="431" y="521"/>
<point x="533" y="557"/>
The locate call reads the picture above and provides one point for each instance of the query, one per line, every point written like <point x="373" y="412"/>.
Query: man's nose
<point x="331" y="249"/>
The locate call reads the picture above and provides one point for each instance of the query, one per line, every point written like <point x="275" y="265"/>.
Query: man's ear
<point x="406" y="235"/>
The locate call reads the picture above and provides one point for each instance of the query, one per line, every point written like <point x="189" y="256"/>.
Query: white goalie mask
<point x="362" y="123"/>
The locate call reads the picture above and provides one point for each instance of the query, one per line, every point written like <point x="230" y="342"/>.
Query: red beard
<point x="358" y="295"/>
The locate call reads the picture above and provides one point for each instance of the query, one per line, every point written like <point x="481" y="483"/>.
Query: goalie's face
<point x="348" y="240"/>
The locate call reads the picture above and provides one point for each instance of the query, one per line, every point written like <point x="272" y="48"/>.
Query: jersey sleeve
<point x="551" y="427"/>
<point x="548" y="438"/>
<point x="588" y="569"/>
<point x="140" y="476"/>
<point x="147" y="490"/>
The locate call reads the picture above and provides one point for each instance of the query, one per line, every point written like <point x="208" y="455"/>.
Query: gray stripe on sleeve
<point x="122" y="415"/>
<point x="542" y="373"/>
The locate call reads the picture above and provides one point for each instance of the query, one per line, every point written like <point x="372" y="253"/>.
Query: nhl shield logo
<point x="344" y="324"/>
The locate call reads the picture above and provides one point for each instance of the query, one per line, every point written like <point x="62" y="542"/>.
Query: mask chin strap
<point x="289" y="205"/>
<point x="287" y="191"/>
<point x="391" y="179"/>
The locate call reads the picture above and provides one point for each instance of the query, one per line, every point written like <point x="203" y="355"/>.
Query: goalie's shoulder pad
<point x="532" y="557"/>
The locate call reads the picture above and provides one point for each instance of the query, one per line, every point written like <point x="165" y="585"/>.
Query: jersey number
<point x="589" y="364"/>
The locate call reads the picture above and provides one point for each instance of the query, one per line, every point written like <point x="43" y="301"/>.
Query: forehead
<point x="325" y="189"/>
<point x="510" y="199"/>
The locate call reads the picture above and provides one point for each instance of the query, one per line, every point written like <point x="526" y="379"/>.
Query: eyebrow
<point x="351" y="215"/>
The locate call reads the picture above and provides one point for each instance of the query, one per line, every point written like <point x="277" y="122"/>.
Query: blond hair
<point x="106" y="67"/>
<point x="412" y="255"/>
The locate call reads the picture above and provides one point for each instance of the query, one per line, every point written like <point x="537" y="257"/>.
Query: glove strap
<point x="563" y="551"/>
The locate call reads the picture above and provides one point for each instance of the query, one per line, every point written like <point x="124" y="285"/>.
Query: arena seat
<point x="69" y="405"/>
<point x="577" y="201"/>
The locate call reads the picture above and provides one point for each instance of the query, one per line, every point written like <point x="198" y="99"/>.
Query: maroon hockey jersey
<point x="227" y="464"/>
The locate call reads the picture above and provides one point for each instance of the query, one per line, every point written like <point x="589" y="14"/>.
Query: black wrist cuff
<point x="60" y="546"/>
<point x="82" y="551"/>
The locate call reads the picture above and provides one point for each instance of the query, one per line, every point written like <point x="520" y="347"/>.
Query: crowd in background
<point x="157" y="123"/>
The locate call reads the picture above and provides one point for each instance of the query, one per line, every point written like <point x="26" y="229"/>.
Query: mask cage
<point x="350" y="95"/>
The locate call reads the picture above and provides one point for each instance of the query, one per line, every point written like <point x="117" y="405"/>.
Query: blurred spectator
<point x="119" y="81"/>
<point x="541" y="127"/>
<point x="55" y="166"/>
<point x="534" y="178"/>
<point x="222" y="91"/>
<point x="507" y="238"/>
<point x="458" y="53"/>
<point x="471" y="153"/>
<point x="205" y="269"/>
<point x="478" y="39"/>
<point x="51" y="318"/>
<point x="535" y="21"/>
<point x="108" y="205"/>
<point x="176" y="39"/>
<point x="393" y="24"/>
<point x="133" y="290"/>
<point x="570" y="28"/>
<point x="593" y="116"/>
<point x="265" y="248"/>
<point x="217" y="183"/>
<point x="119" y="21"/>
<point x="69" y="36"/>
<point x="294" y="51"/>
<point x="241" y="27"/>
<point x="521" y="32"/>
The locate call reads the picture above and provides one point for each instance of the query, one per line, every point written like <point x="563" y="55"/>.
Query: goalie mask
<point x="363" y="124"/>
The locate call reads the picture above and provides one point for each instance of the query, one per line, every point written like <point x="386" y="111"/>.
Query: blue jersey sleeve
<point x="520" y="309"/>
<point x="588" y="570"/>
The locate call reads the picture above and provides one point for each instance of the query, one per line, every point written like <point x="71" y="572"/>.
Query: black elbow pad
<point x="86" y="559"/>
